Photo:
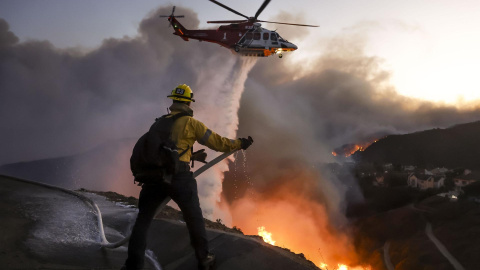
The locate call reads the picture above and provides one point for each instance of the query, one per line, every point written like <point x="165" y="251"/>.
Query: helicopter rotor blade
<point x="173" y="10"/>
<point x="167" y="16"/>
<point x="296" y="24"/>
<point x="262" y="7"/>
<point x="228" y="8"/>
<point x="230" y="21"/>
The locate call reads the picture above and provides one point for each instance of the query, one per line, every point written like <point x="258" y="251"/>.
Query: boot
<point x="208" y="262"/>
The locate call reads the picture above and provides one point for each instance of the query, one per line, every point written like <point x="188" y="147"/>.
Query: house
<point x="388" y="167"/>
<point x="409" y="168"/>
<point x="465" y="179"/>
<point x="425" y="181"/>
<point x="437" y="171"/>
<point x="379" y="180"/>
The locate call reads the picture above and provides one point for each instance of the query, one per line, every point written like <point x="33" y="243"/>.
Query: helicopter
<point x="245" y="37"/>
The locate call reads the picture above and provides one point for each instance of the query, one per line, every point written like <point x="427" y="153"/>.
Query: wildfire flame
<point x="267" y="237"/>
<point x="350" y="149"/>
<point x="287" y="203"/>
<point x="340" y="266"/>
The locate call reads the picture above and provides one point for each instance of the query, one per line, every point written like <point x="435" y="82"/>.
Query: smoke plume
<point x="57" y="102"/>
<point x="298" y="115"/>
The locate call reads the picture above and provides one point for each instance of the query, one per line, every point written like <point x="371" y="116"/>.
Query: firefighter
<point x="183" y="188"/>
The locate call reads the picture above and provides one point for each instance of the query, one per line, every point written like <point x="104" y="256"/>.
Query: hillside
<point x="455" y="224"/>
<point x="457" y="146"/>
<point x="41" y="233"/>
<point x="105" y="167"/>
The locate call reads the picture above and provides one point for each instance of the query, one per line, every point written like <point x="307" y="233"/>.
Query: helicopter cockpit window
<point x="265" y="36"/>
<point x="273" y="37"/>
<point x="281" y="39"/>
<point x="256" y="36"/>
<point x="249" y="36"/>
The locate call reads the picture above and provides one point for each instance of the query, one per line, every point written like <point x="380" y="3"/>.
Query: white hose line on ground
<point x="153" y="259"/>
<point x="85" y="199"/>
<point x="386" y="256"/>
<point x="103" y="240"/>
<point x="429" y="231"/>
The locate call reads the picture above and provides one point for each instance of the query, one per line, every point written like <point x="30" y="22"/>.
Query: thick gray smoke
<point x="57" y="102"/>
<point x="344" y="99"/>
<point x="297" y="120"/>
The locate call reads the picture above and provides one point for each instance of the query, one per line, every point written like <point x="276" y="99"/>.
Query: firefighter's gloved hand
<point x="199" y="155"/>
<point x="246" y="142"/>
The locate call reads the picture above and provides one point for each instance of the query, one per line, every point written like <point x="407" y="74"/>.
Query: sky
<point x="429" y="47"/>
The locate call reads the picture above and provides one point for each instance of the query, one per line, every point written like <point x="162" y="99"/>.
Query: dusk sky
<point x="430" y="47"/>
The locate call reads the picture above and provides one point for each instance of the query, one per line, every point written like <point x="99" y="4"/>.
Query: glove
<point x="199" y="155"/>
<point x="246" y="142"/>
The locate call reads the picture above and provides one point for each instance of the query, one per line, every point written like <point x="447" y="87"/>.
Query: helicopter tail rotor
<point x="171" y="16"/>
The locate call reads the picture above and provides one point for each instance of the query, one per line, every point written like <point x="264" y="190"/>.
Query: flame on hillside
<point x="340" y="266"/>
<point x="267" y="237"/>
<point x="350" y="149"/>
<point x="298" y="218"/>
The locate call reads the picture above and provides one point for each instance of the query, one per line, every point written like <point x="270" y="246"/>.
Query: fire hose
<point x="106" y="244"/>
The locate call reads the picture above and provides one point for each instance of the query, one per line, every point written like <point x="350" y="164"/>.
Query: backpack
<point x="155" y="155"/>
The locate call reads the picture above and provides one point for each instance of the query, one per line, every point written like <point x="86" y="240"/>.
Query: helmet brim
<point x="181" y="98"/>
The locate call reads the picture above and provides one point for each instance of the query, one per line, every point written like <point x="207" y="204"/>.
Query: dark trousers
<point x="183" y="191"/>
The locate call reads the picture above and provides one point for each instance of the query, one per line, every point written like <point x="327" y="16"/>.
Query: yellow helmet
<point x="182" y="93"/>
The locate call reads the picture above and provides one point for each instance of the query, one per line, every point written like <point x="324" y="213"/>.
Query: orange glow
<point x="267" y="237"/>
<point x="324" y="266"/>
<point x="355" y="149"/>
<point x="180" y="31"/>
<point x="350" y="149"/>
<point x="295" y="219"/>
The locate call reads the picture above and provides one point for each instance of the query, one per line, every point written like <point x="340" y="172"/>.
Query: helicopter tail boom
<point x="177" y="26"/>
<point x="180" y="30"/>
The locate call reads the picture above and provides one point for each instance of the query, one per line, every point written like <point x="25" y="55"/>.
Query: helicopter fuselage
<point x="249" y="39"/>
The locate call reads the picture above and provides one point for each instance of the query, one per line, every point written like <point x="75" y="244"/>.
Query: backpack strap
<point x="178" y="115"/>
<point x="185" y="151"/>
<point x="174" y="118"/>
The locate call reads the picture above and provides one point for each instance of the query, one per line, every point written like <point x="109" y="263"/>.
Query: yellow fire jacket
<point x="187" y="130"/>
